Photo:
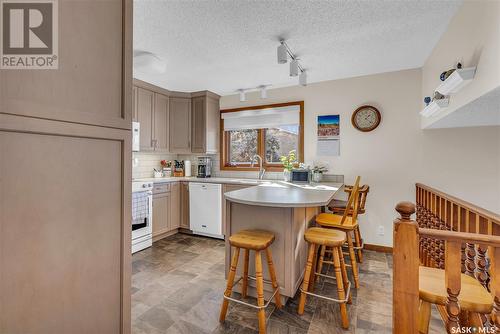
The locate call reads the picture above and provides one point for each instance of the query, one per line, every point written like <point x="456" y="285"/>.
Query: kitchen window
<point x="269" y="131"/>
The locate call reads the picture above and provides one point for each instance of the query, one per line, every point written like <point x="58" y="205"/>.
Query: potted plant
<point x="317" y="172"/>
<point x="166" y="168"/>
<point x="288" y="162"/>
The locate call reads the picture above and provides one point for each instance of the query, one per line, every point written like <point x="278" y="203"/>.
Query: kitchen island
<point x="285" y="209"/>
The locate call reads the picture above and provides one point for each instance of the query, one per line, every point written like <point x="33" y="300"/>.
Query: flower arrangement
<point x="289" y="160"/>
<point x="320" y="169"/>
<point x="165" y="163"/>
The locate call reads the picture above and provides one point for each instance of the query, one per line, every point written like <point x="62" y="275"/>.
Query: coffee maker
<point x="204" y="167"/>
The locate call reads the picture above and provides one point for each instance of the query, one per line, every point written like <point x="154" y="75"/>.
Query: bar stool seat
<point x="333" y="220"/>
<point x="252" y="239"/>
<point x="325" y="237"/>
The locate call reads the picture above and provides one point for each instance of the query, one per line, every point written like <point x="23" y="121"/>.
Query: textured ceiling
<point x="225" y="45"/>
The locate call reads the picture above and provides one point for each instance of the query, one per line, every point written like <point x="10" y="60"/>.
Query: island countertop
<point x="285" y="194"/>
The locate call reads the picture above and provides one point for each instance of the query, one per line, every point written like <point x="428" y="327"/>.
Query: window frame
<point x="261" y="149"/>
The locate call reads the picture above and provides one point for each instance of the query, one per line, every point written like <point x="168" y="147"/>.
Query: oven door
<point x="144" y="228"/>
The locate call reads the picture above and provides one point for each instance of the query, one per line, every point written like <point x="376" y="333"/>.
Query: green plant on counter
<point x="289" y="160"/>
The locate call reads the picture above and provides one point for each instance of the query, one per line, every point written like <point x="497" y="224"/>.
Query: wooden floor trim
<point x="378" y="248"/>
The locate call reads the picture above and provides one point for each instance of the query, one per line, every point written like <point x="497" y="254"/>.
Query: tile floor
<point x="177" y="287"/>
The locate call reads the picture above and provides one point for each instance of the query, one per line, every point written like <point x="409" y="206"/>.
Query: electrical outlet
<point x="381" y="230"/>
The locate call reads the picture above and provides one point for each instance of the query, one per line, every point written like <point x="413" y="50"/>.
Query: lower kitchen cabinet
<point x="185" y="205"/>
<point x="161" y="213"/>
<point x="175" y="206"/>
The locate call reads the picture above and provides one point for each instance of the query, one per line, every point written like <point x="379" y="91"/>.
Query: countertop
<point x="272" y="193"/>
<point x="224" y="180"/>
<point x="285" y="194"/>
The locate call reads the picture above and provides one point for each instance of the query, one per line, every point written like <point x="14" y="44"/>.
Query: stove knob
<point x="144" y="185"/>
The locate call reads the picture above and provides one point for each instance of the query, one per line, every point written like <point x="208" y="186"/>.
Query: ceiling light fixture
<point x="303" y="78"/>
<point x="282" y="53"/>
<point x="242" y="95"/>
<point x="295" y="67"/>
<point x="263" y="91"/>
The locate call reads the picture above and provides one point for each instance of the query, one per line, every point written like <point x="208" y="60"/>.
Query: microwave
<point x="300" y="175"/>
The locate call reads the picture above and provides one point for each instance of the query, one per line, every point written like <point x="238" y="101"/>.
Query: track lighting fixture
<point x="295" y="68"/>
<point x="303" y="78"/>
<point x="282" y="53"/>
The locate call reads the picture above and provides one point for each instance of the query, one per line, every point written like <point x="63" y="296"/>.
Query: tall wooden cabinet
<point x="65" y="258"/>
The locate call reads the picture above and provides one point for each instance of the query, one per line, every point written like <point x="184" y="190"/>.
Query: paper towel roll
<point x="187" y="168"/>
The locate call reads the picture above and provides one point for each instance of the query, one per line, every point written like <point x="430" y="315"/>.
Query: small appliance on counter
<point x="204" y="167"/>
<point x="300" y="175"/>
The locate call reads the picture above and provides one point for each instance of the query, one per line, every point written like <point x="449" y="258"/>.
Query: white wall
<point x="392" y="158"/>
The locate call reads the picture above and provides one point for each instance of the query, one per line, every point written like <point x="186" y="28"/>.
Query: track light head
<point x="303" y="78"/>
<point x="242" y="95"/>
<point x="282" y="54"/>
<point x="263" y="92"/>
<point x="294" y="68"/>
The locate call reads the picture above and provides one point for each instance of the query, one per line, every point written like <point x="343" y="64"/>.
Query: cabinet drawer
<point x="161" y="188"/>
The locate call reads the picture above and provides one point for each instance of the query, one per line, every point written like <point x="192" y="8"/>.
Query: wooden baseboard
<point x="378" y="248"/>
<point x="164" y="235"/>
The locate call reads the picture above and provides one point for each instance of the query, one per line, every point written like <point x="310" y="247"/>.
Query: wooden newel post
<point x="405" y="271"/>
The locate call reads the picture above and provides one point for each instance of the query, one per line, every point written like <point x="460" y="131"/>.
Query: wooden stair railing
<point x="438" y="210"/>
<point x="407" y="239"/>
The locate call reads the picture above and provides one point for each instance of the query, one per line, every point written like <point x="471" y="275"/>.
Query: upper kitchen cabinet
<point x="94" y="93"/>
<point x="205" y="123"/>
<point x="160" y="120"/>
<point x="145" y="116"/>
<point x="180" y="125"/>
<point x="176" y="122"/>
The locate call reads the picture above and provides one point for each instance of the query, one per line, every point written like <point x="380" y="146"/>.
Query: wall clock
<point x="366" y="118"/>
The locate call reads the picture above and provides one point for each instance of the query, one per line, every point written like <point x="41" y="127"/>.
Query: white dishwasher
<point x="205" y="209"/>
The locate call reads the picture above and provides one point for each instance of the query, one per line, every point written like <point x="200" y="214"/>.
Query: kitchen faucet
<point x="261" y="170"/>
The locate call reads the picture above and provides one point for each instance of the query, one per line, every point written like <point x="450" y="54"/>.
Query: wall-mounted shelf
<point x="434" y="107"/>
<point x="457" y="80"/>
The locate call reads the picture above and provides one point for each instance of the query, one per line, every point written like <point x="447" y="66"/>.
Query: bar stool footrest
<point x="340" y="301"/>
<point x="252" y="305"/>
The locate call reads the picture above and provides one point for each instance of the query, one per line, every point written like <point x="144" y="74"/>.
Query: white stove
<point x="142" y="215"/>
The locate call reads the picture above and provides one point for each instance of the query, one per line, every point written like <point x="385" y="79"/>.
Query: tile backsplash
<point x="144" y="162"/>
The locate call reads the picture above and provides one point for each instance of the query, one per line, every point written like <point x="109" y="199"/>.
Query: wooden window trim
<point x="224" y="142"/>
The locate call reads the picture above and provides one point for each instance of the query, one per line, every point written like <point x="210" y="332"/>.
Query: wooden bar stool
<point x="346" y="223"/>
<point x="338" y="207"/>
<point x="256" y="240"/>
<point x="322" y="237"/>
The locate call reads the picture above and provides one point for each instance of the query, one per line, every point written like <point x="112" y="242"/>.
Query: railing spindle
<point x="452" y="278"/>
